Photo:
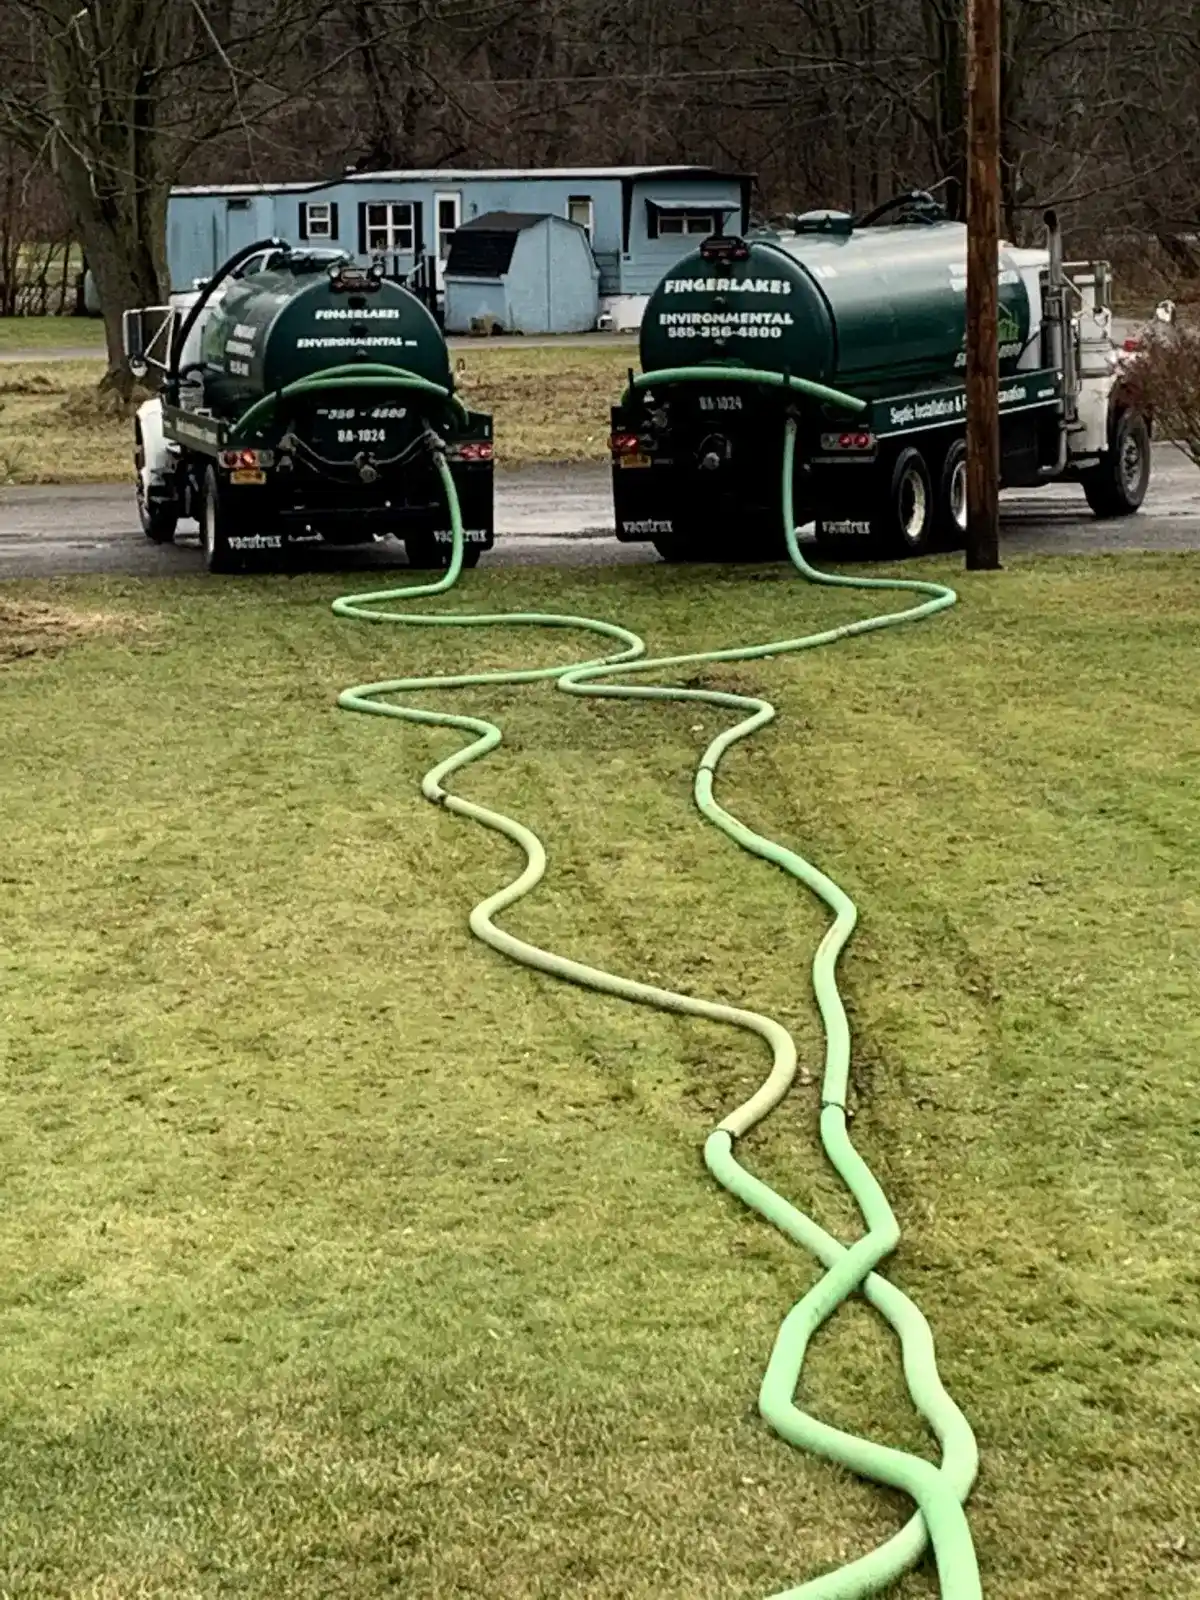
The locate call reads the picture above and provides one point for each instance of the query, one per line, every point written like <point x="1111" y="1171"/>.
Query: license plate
<point x="635" y="461"/>
<point x="248" y="475"/>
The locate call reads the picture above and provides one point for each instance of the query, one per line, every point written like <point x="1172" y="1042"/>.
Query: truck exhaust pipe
<point x="1058" y="336"/>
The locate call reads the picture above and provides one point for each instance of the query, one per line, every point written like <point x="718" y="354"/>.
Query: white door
<point x="447" y="215"/>
<point x="580" y="209"/>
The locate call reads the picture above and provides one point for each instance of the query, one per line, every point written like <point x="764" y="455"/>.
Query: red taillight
<point x="233" y="459"/>
<point x="847" y="441"/>
<point x="623" y="444"/>
<point x="479" y="451"/>
<point x="1131" y="345"/>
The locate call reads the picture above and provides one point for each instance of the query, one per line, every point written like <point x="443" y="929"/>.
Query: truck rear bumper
<point x="301" y="509"/>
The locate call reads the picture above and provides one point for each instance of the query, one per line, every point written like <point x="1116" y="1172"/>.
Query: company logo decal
<point x="776" y="286"/>
<point x="649" y="525"/>
<point x="255" y="541"/>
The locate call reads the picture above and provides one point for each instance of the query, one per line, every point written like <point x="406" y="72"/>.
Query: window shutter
<point x="362" y="228"/>
<point x="651" y="220"/>
<point x="303" y="220"/>
<point x="418" y="229"/>
<point x="333" y="221"/>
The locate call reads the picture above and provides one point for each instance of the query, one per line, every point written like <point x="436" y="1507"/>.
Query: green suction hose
<point x="939" y="1493"/>
<point x="372" y="374"/>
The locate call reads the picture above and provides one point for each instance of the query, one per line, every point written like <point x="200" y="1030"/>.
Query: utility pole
<point x="983" y="247"/>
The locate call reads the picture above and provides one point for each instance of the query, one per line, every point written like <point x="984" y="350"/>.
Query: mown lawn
<point x="549" y="404"/>
<point x="339" y="1257"/>
<point x="51" y="333"/>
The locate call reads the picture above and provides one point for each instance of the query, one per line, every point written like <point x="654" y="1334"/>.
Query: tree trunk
<point x="948" y="94"/>
<point x="106" y="146"/>
<point x="120" y="233"/>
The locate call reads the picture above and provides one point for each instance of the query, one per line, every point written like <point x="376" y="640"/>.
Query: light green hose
<point x="938" y="1492"/>
<point x="802" y="388"/>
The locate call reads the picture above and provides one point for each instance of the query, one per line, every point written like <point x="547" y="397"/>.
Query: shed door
<point x="447" y="209"/>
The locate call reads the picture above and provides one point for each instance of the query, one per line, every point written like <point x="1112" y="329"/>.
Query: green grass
<point x="343" y="1258"/>
<point x="549" y="404"/>
<point x="56" y="427"/>
<point x="51" y="333"/>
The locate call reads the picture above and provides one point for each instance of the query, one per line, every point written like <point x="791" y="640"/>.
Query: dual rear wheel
<point x="915" y="510"/>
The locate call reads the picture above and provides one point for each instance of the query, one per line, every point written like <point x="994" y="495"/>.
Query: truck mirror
<point x="133" y="337"/>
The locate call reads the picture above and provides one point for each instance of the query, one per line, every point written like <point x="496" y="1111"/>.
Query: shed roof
<point x="508" y="221"/>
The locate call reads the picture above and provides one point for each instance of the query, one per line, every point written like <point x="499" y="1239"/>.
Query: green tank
<point x="858" y="309"/>
<point x="293" y="320"/>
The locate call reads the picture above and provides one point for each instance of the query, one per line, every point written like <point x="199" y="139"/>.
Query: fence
<point x="41" y="281"/>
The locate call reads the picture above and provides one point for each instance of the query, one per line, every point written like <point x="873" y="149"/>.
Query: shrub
<point x="1164" y="381"/>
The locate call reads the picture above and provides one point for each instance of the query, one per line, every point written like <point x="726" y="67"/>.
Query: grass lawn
<point x="343" y="1258"/>
<point x="549" y="404"/>
<point x="51" y="333"/>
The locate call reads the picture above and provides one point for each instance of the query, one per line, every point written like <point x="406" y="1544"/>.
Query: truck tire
<point x="158" y="518"/>
<point x="216" y="525"/>
<point x="1117" y="487"/>
<point x="905" y="521"/>
<point x="950" y="510"/>
<point x="428" y="554"/>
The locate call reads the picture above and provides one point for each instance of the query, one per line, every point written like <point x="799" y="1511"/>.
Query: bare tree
<point x="122" y="94"/>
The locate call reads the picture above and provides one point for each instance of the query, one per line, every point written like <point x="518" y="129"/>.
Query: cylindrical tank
<point x="859" y="309"/>
<point x="293" y="320"/>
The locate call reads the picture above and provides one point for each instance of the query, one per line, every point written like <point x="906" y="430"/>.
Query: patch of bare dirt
<point x="33" y="628"/>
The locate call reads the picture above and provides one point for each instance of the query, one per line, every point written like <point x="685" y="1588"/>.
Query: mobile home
<point x="639" y="220"/>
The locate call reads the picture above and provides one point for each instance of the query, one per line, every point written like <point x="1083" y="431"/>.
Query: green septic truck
<point x="304" y="401"/>
<point x="858" y="327"/>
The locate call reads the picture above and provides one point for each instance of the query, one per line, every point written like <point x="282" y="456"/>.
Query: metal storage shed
<point x="521" y="272"/>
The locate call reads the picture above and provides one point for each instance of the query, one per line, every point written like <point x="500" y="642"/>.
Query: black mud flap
<point x="644" y="490"/>
<point x="473" y="483"/>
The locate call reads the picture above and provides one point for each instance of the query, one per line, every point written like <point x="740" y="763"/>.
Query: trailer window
<point x="318" y="220"/>
<point x="449" y="217"/>
<point x="390" y="226"/>
<point x="687" y="222"/>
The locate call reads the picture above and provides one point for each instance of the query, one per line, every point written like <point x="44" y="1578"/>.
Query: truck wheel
<point x="1117" y="487"/>
<point x="216" y="525"/>
<point x="158" y="519"/>
<point x="904" y="521"/>
<point x="950" y="531"/>
<point x="427" y="553"/>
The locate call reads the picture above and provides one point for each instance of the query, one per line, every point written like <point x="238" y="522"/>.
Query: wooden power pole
<point x="983" y="245"/>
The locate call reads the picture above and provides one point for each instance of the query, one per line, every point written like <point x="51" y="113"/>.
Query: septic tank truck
<point x="857" y="330"/>
<point x="304" y="401"/>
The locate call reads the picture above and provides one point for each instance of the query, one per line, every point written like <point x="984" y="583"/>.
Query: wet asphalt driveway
<point x="549" y="516"/>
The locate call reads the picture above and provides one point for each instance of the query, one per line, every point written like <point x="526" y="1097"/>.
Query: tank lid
<point x="839" y="222"/>
<point x="724" y="247"/>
